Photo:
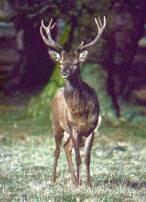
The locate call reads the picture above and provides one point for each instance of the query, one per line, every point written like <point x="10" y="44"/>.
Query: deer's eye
<point x="75" y="64"/>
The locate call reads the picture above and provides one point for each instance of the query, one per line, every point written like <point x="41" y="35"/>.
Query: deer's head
<point x="69" y="61"/>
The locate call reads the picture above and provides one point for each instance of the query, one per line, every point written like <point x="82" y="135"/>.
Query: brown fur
<point x="78" y="112"/>
<point x="75" y="112"/>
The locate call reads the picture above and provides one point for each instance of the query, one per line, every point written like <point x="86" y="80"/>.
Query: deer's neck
<point x="79" y="97"/>
<point x="73" y="85"/>
<point x="73" y="93"/>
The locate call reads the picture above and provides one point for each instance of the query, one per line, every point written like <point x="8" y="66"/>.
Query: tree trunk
<point x="125" y="27"/>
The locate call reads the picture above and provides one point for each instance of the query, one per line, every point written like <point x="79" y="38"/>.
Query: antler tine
<point x="99" y="21"/>
<point x="100" y="28"/>
<point x="50" y="26"/>
<point x="81" y="44"/>
<point x="48" y="39"/>
<point x="43" y="37"/>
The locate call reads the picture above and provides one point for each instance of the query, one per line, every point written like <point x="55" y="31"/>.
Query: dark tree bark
<point x="125" y="28"/>
<point x="22" y="49"/>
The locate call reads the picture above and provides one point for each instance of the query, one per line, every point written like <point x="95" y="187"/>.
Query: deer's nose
<point x="64" y="72"/>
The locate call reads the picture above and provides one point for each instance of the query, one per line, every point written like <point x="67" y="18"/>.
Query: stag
<point x="75" y="107"/>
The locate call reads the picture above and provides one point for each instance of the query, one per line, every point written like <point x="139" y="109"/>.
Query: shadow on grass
<point x="124" y="182"/>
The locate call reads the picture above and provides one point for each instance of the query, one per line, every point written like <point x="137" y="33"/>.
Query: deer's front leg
<point x="75" y="140"/>
<point x="68" y="151"/>
<point x="88" y="146"/>
<point x="58" y="140"/>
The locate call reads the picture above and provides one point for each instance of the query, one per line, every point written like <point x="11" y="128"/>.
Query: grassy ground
<point x="118" y="165"/>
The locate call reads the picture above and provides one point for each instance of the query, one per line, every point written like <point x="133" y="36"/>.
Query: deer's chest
<point x="81" y="108"/>
<point x="84" y="122"/>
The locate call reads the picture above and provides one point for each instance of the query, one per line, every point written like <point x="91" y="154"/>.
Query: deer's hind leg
<point x="88" y="146"/>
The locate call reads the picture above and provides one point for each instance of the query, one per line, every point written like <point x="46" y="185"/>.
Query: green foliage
<point x="39" y="106"/>
<point x="64" y="36"/>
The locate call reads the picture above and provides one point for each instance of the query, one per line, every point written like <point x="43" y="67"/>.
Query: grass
<point x="118" y="165"/>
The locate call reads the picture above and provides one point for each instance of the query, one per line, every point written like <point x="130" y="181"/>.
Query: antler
<point x="47" y="37"/>
<point x="100" y="28"/>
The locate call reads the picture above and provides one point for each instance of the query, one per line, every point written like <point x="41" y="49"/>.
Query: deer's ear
<point x="54" y="55"/>
<point x="83" y="56"/>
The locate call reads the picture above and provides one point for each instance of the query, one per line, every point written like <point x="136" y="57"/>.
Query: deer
<point x="75" y="107"/>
